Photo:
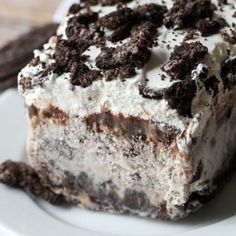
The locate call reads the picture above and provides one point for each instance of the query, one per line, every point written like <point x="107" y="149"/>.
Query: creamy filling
<point x="166" y="176"/>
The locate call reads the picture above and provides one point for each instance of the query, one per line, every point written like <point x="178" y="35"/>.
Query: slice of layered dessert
<point x="132" y="105"/>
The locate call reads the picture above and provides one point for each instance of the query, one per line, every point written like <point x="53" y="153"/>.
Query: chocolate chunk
<point x="119" y="73"/>
<point x="228" y="73"/>
<point x="19" y="52"/>
<point x="180" y="96"/>
<point x="151" y="12"/>
<point x="184" y="58"/>
<point x="117" y="18"/>
<point x="20" y="175"/>
<point x="185" y="13"/>
<point x="208" y="27"/>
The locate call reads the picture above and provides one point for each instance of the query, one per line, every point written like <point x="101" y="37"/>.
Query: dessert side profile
<point x="132" y="105"/>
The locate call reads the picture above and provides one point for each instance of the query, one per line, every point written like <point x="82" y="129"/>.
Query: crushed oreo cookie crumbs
<point x="209" y="27"/>
<point x="184" y="58"/>
<point x="119" y="73"/>
<point x="21" y="175"/>
<point x="117" y="18"/>
<point x="151" y="12"/>
<point x="185" y="14"/>
<point x="180" y="96"/>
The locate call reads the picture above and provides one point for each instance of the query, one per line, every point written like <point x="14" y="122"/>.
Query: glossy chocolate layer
<point x="131" y="127"/>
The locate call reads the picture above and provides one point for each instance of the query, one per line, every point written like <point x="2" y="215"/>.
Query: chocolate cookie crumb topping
<point x="117" y="18"/>
<point x="208" y="27"/>
<point x="185" y="13"/>
<point x="184" y="58"/>
<point x="67" y="53"/>
<point x="69" y="58"/>
<point x="77" y="32"/>
<point x="85" y="77"/>
<point x="111" y="58"/>
<point x="180" y="96"/>
<point x="87" y="18"/>
<point x="133" y="53"/>
<point x="151" y="12"/>
<point x="23" y="176"/>
<point x="119" y="73"/>
<point x="121" y="33"/>
<point x="143" y="34"/>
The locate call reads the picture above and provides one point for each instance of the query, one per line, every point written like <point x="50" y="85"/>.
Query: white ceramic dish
<point x="23" y="215"/>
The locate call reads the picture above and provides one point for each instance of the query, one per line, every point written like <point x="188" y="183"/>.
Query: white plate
<point x="21" y="214"/>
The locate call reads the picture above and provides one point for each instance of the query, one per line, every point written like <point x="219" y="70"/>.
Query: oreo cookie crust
<point x="129" y="102"/>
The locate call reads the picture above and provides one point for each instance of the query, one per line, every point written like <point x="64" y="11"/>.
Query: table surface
<point x="17" y="16"/>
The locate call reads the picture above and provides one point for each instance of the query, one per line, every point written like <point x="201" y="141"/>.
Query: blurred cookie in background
<point x="17" y="53"/>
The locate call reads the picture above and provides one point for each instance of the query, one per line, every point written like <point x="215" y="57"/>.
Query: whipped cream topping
<point x="124" y="97"/>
